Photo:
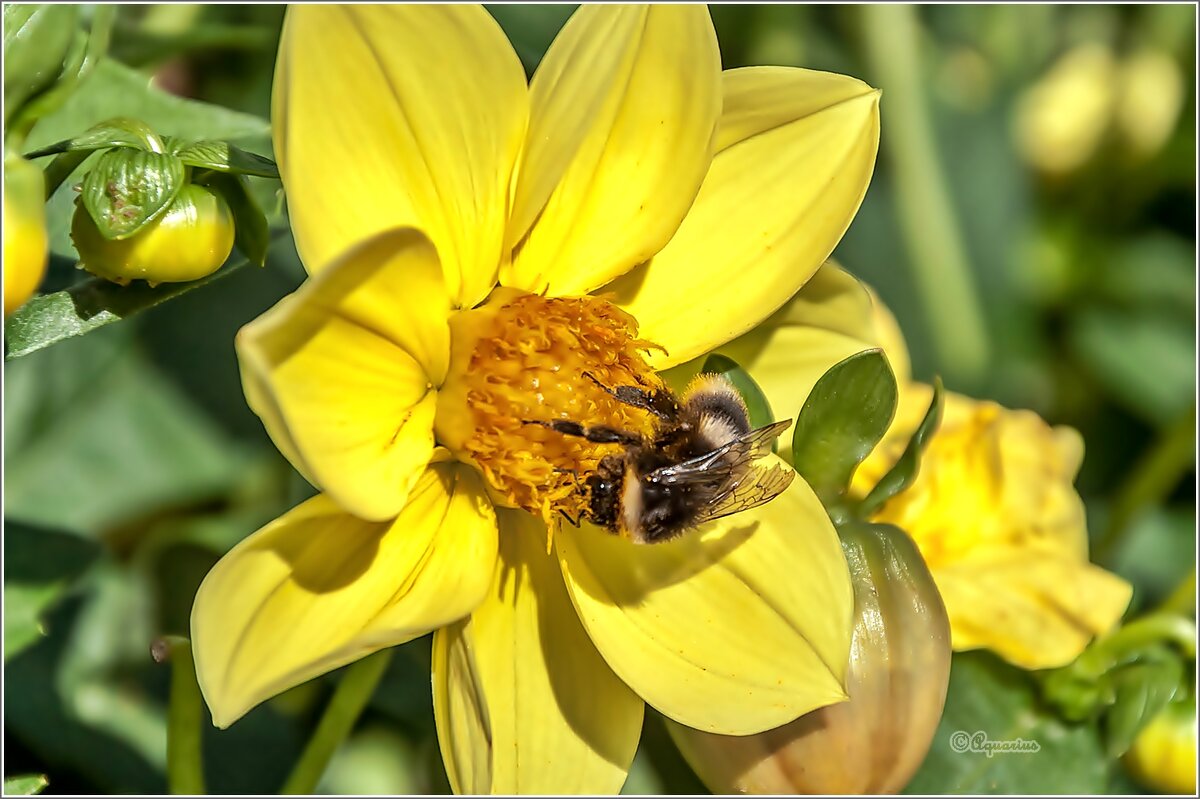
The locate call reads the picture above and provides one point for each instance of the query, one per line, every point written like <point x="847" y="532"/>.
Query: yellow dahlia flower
<point x="993" y="509"/>
<point x="1001" y="527"/>
<point x="475" y="245"/>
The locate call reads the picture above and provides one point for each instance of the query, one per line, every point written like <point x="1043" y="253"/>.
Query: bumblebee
<point x="702" y="462"/>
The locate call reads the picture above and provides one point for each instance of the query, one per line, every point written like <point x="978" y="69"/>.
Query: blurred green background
<point x="1031" y="224"/>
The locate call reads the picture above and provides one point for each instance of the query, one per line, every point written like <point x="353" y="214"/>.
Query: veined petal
<point x="624" y="107"/>
<point x="795" y="152"/>
<point x="737" y="628"/>
<point x="317" y="588"/>
<point x="342" y="372"/>
<point x="407" y="115"/>
<point x="1034" y="607"/>
<point x="523" y="701"/>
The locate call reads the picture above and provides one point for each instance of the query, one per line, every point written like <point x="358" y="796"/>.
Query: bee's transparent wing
<point x="730" y="474"/>
<point x="759" y="485"/>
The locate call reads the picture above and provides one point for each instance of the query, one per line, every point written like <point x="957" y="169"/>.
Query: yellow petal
<point x="1036" y="609"/>
<point x="343" y="371"/>
<point x="737" y="628"/>
<point x="833" y="300"/>
<point x="890" y="337"/>
<point x="407" y="115"/>
<point x="624" y="107"/>
<point x="523" y="702"/>
<point x="317" y="588"/>
<point x="795" y="152"/>
<point x="828" y="320"/>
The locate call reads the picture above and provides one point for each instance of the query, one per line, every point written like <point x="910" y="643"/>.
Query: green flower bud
<point x="189" y="240"/>
<point x="899" y="671"/>
<point x="25" y="242"/>
<point x="1163" y="756"/>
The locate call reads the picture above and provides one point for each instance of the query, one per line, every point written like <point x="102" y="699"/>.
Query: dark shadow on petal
<point x="327" y="553"/>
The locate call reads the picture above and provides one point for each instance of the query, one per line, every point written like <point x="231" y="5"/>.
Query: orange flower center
<point x="523" y="359"/>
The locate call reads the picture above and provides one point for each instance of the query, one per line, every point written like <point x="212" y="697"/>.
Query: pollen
<point x="539" y="359"/>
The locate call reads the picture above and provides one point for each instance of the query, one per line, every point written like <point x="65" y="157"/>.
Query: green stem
<point x="1151" y="479"/>
<point x="61" y="168"/>
<point x="1135" y="636"/>
<point x="343" y="711"/>
<point x="930" y="230"/>
<point x="185" y="762"/>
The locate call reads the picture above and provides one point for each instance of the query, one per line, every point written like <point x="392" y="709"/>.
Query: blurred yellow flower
<point x="421" y="171"/>
<point x="25" y="241"/>
<point x="993" y="508"/>
<point x="1149" y="98"/>
<point x="1062" y="118"/>
<point x="998" y="520"/>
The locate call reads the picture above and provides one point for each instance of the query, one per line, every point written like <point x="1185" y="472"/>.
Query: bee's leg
<point x="597" y="434"/>
<point x="574" y="522"/>
<point x="574" y="476"/>
<point x="659" y="403"/>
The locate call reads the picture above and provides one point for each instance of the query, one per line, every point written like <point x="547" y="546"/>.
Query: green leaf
<point x="87" y="306"/>
<point x="1155" y="269"/>
<point x="26" y="785"/>
<point x="40" y="568"/>
<point x="250" y="232"/>
<point x="905" y="471"/>
<point x="844" y="417"/>
<point x="23" y="609"/>
<point x="115" y="90"/>
<point x="114" y="628"/>
<point x="119" y="132"/>
<point x="756" y="401"/>
<point x="225" y="157"/>
<point x="1157" y="552"/>
<point x="36" y="40"/>
<point x="127" y="189"/>
<point x="1145" y="358"/>
<point x="39" y="713"/>
<point x="1140" y="691"/>
<point x="996" y="702"/>
<point x="96" y="438"/>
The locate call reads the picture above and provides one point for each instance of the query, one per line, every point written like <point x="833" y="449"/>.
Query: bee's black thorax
<point x="667" y="511"/>
<point x="659" y="487"/>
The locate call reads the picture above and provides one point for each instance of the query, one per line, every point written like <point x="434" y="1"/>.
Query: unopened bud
<point x="25" y="242"/>
<point x="899" y="671"/>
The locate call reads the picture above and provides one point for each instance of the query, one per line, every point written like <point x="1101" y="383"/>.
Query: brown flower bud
<point x="899" y="671"/>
